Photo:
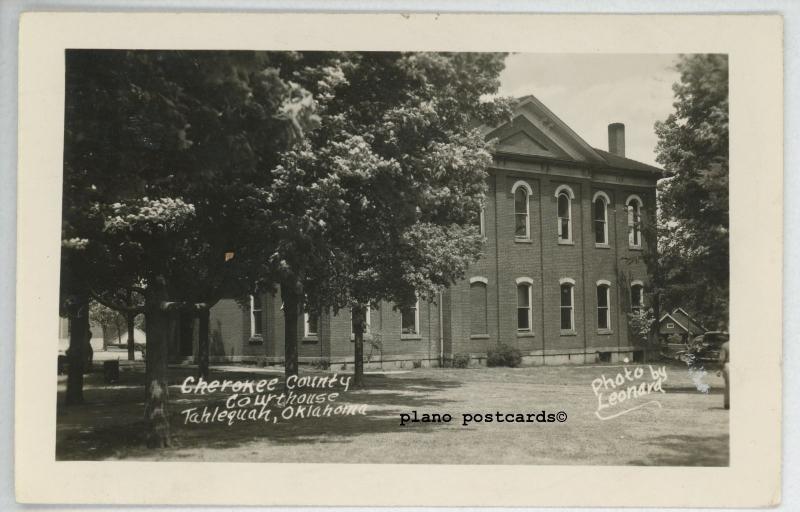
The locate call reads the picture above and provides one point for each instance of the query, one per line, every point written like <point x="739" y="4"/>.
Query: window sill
<point x="479" y="336"/>
<point x="255" y="340"/>
<point x="523" y="241"/>
<point x="569" y="332"/>
<point x="565" y="242"/>
<point x="601" y="246"/>
<point x="604" y="332"/>
<point x="310" y="339"/>
<point x="635" y="247"/>
<point x="525" y="335"/>
<point x="366" y="337"/>
<point x="410" y="337"/>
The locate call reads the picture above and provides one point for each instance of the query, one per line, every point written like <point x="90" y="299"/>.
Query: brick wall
<point x="385" y="327"/>
<point x="542" y="259"/>
<point x="229" y="329"/>
<point x="545" y="260"/>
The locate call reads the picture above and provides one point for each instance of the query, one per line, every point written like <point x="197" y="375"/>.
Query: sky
<point x="589" y="92"/>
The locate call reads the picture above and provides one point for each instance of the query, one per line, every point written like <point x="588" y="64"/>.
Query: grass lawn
<point x="689" y="429"/>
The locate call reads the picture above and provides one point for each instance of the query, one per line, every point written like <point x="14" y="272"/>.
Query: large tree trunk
<point x="104" y="329"/>
<point x="204" y="343"/>
<point x="290" y="294"/>
<point x="156" y="390"/>
<point x="79" y="336"/>
<point x="129" y="319"/>
<point x="359" y="319"/>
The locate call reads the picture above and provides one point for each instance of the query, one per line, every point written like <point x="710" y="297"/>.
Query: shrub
<point x="418" y="363"/>
<point x="321" y="364"/>
<point x="504" y="355"/>
<point x="461" y="360"/>
<point x="641" y="323"/>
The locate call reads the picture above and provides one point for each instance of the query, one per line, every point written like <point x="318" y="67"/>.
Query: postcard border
<point x="754" y="43"/>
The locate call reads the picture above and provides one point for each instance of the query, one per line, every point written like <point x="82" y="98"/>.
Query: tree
<point x="164" y="152"/>
<point x="128" y="304"/>
<point x="74" y="305"/>
<point x="642" y="325"/>
<point x="693" y="225"/>
<point x="380" y="202"/>
<point x="108" y="319"/>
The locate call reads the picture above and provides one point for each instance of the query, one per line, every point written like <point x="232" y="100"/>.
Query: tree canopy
<point x="163" y="151"/>
<point x="694" y="231"/>
<point x="346" y="178"/>
<point x="381" y="201"/>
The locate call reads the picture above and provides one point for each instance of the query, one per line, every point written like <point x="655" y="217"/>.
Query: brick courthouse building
<point x="557" y="278"/>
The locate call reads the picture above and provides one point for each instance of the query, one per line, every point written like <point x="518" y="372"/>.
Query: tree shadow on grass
<point x="685" y="450"/>
<point x="110" y="424"/>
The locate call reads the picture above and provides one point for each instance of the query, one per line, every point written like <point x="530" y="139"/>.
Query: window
<point x="522" y="225"/>
<point x="670" y="325"/>
<point x="310" y="322"/>
<point x="567" y="309"/>
<point x="637" y="297"/>
<point x="409" y="320"/>
<point x="311" y="325"/>
<point x="603" y="305"/>
<point x="600" y="212"/>
<point x="477" y="304"/>
<point x="634" y="207"/>
<point x="524" y="309"/>
<point x="482" y="221"/>
<point x="367" y="322"/>
<point x="564" y="197"/>
<point x="256" y="317"/>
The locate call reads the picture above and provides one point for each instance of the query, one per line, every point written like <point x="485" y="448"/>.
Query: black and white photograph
<point x="258" y="253"/>
<point x="395" y="257"/>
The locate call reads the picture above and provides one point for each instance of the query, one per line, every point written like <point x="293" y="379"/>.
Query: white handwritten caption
<point x="261" y="400"/>
<point x="625" y="387"/>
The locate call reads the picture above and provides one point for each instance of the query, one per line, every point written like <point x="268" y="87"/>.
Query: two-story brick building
<point x="561" y="269"/>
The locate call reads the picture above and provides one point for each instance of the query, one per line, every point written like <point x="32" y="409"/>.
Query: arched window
<point x="634" y="207"/>
<point x="564" y="197"/>
<point x="522" y="225"/>
<point x="600" y="214"/>
<point x="567" y="305"/>
<point x="256" y="316"/>
<point x="524" y="309"/>
<point x="604" y="305"/>
<point x="637" y="297"/>
<point x="477" y="304"/>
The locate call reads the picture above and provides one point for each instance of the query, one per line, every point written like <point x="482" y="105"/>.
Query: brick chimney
<point x="616" y="139"/>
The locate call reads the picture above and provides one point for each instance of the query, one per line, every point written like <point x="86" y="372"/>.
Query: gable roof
<point x="620" y="162"/>
<point x="687" y="319"/>
<point x="674" y="320"/>
<point x="521" y="136"/>
<point x="531" y="103"/>
<point x="535" y="131"/>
